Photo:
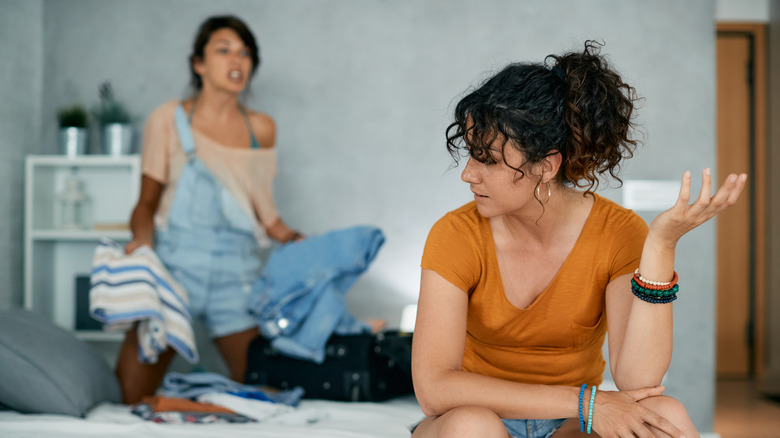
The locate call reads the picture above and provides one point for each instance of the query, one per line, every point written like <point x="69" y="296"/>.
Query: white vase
<point x="72" y="209"/>
<point x="117" y="139"/>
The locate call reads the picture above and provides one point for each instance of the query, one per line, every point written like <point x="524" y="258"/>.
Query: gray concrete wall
<point x="362" y="91"/>
<point x="21" y="84"/>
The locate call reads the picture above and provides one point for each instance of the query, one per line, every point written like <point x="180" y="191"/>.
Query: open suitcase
<point x="367" y="367"/>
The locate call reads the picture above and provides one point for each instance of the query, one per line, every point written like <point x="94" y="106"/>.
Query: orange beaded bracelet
<point x="655" y="285"/>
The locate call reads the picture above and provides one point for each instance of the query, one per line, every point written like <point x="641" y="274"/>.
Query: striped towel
<point x="137" y="287"/>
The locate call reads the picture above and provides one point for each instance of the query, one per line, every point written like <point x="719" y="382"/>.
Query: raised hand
<point x="684" y="216"/>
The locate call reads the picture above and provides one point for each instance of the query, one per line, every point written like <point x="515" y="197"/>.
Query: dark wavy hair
<point x="211" y="25"/>
<point x="575" y="104"/>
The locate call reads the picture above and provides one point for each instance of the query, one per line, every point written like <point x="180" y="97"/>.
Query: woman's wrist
<point x="293" y="236"/>
<point x="658" y="241"/>
<point x="141" y="240"/>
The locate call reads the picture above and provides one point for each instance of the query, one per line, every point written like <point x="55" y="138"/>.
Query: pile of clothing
<point x="212" y="398"/>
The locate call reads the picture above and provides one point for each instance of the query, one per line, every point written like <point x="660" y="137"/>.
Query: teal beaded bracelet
<point x="657" y="293"/>
<point x="590" y="407"/>
<point x="582" y="418"/>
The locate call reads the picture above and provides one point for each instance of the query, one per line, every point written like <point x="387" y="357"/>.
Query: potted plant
<point x="72" y="137"/>
<point x="116" y="130"/>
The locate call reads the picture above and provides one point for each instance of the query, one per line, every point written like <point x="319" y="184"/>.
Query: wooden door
<point x="741" y="142"/>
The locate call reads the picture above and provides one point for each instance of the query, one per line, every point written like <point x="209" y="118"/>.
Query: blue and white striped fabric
<point x="137" y="287"/>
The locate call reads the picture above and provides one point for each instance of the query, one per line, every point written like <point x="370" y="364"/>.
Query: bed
<point x="391" y="418"/>
<point x="55" y="385"/>
<point x="65" y="389"/>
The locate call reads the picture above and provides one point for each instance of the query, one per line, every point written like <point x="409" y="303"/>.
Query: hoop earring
<point x="539" y="196"/>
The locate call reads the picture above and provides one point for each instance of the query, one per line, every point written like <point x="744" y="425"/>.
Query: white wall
<point x="742" y="10"/>
<point x="362" y="91"/>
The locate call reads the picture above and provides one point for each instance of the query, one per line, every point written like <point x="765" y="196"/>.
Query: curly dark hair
<point x="211" y="25"/>
<point x="575" y="104"/>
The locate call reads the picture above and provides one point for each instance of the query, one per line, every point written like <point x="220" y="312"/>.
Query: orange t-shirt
<point x="557" y="339"/>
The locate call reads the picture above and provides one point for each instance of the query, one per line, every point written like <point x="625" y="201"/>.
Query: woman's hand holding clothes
<point x="135" y="244"/>
<point x="619" y="414"/>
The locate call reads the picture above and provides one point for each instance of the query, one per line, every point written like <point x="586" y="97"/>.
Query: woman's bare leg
<point x="234" y="348"/>
<point x="464" y="422"/>
<point x="138" y="379"/>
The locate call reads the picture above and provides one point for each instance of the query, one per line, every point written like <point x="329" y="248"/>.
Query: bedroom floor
<point x="742" y="412"/>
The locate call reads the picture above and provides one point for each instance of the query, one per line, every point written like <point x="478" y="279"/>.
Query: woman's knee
<point x="466" y="421"/>
<point x="674" y="411"/>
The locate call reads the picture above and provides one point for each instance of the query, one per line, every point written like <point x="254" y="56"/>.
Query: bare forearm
<point x="507" y="399"/>
<point x="142" y="224"/>
<point x="646" y="350"/>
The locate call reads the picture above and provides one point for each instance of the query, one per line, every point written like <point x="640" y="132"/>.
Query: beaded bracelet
<point x="655" y="300"/>
<point x="655" y="296"/>
<point x="654" y="292"/>
<point x="649" y="284"/>
<point x="590" y="407"/>
<point x="582" y="418"/>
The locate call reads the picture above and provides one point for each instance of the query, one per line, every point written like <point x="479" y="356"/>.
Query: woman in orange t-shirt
<point x="520" y="286"/>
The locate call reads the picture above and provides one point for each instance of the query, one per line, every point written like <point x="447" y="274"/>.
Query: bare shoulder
<point x="263" y="127"/>
<point x="164" y="111"/>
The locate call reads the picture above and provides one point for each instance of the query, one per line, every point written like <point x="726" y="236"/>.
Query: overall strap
<point x="254" y="144"/>
<point x="185" y="134"/>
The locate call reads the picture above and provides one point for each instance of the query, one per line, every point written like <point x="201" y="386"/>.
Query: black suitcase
<point x="369" y="367"/>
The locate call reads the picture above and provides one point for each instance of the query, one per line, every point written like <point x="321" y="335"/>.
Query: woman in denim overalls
<point x="209" y="238"/>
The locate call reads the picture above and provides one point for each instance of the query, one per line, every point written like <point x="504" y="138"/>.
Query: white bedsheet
<point x="391" y="418"/>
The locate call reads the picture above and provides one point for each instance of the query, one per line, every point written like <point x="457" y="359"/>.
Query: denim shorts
<point x="527" y="428"/>
<point x="217" y="278"/>
<point x="533" y="428"/>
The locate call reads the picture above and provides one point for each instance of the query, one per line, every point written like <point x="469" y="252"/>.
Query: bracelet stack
<point x="655" y="292"/>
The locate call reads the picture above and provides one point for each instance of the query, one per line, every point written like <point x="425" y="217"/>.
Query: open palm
<point x="684" y="216"/>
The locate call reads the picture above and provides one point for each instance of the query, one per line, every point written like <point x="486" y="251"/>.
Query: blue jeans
<point x="299" y="299"/>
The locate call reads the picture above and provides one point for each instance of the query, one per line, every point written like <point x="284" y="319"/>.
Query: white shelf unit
<point x="54" y="257"/>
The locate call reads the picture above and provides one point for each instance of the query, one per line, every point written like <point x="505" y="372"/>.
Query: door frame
<point x="757" y="179"/>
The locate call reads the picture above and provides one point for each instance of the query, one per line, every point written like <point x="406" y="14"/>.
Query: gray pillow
<point x="45" y="369"/>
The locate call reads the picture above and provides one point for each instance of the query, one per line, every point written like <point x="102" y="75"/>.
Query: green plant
<point x="109" y="110"/>
<point x="73" y="116"/>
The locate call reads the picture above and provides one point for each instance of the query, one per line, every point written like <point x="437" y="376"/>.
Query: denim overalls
<point x="210" y="247"/>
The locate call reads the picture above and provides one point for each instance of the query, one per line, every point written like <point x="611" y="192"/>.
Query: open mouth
<point x="234" y="74"/>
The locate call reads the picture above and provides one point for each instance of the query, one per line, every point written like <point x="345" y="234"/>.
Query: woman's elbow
<point x="429" y="397"/>
<point x="627" y="381"/>
<point x="429" y="405"/>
